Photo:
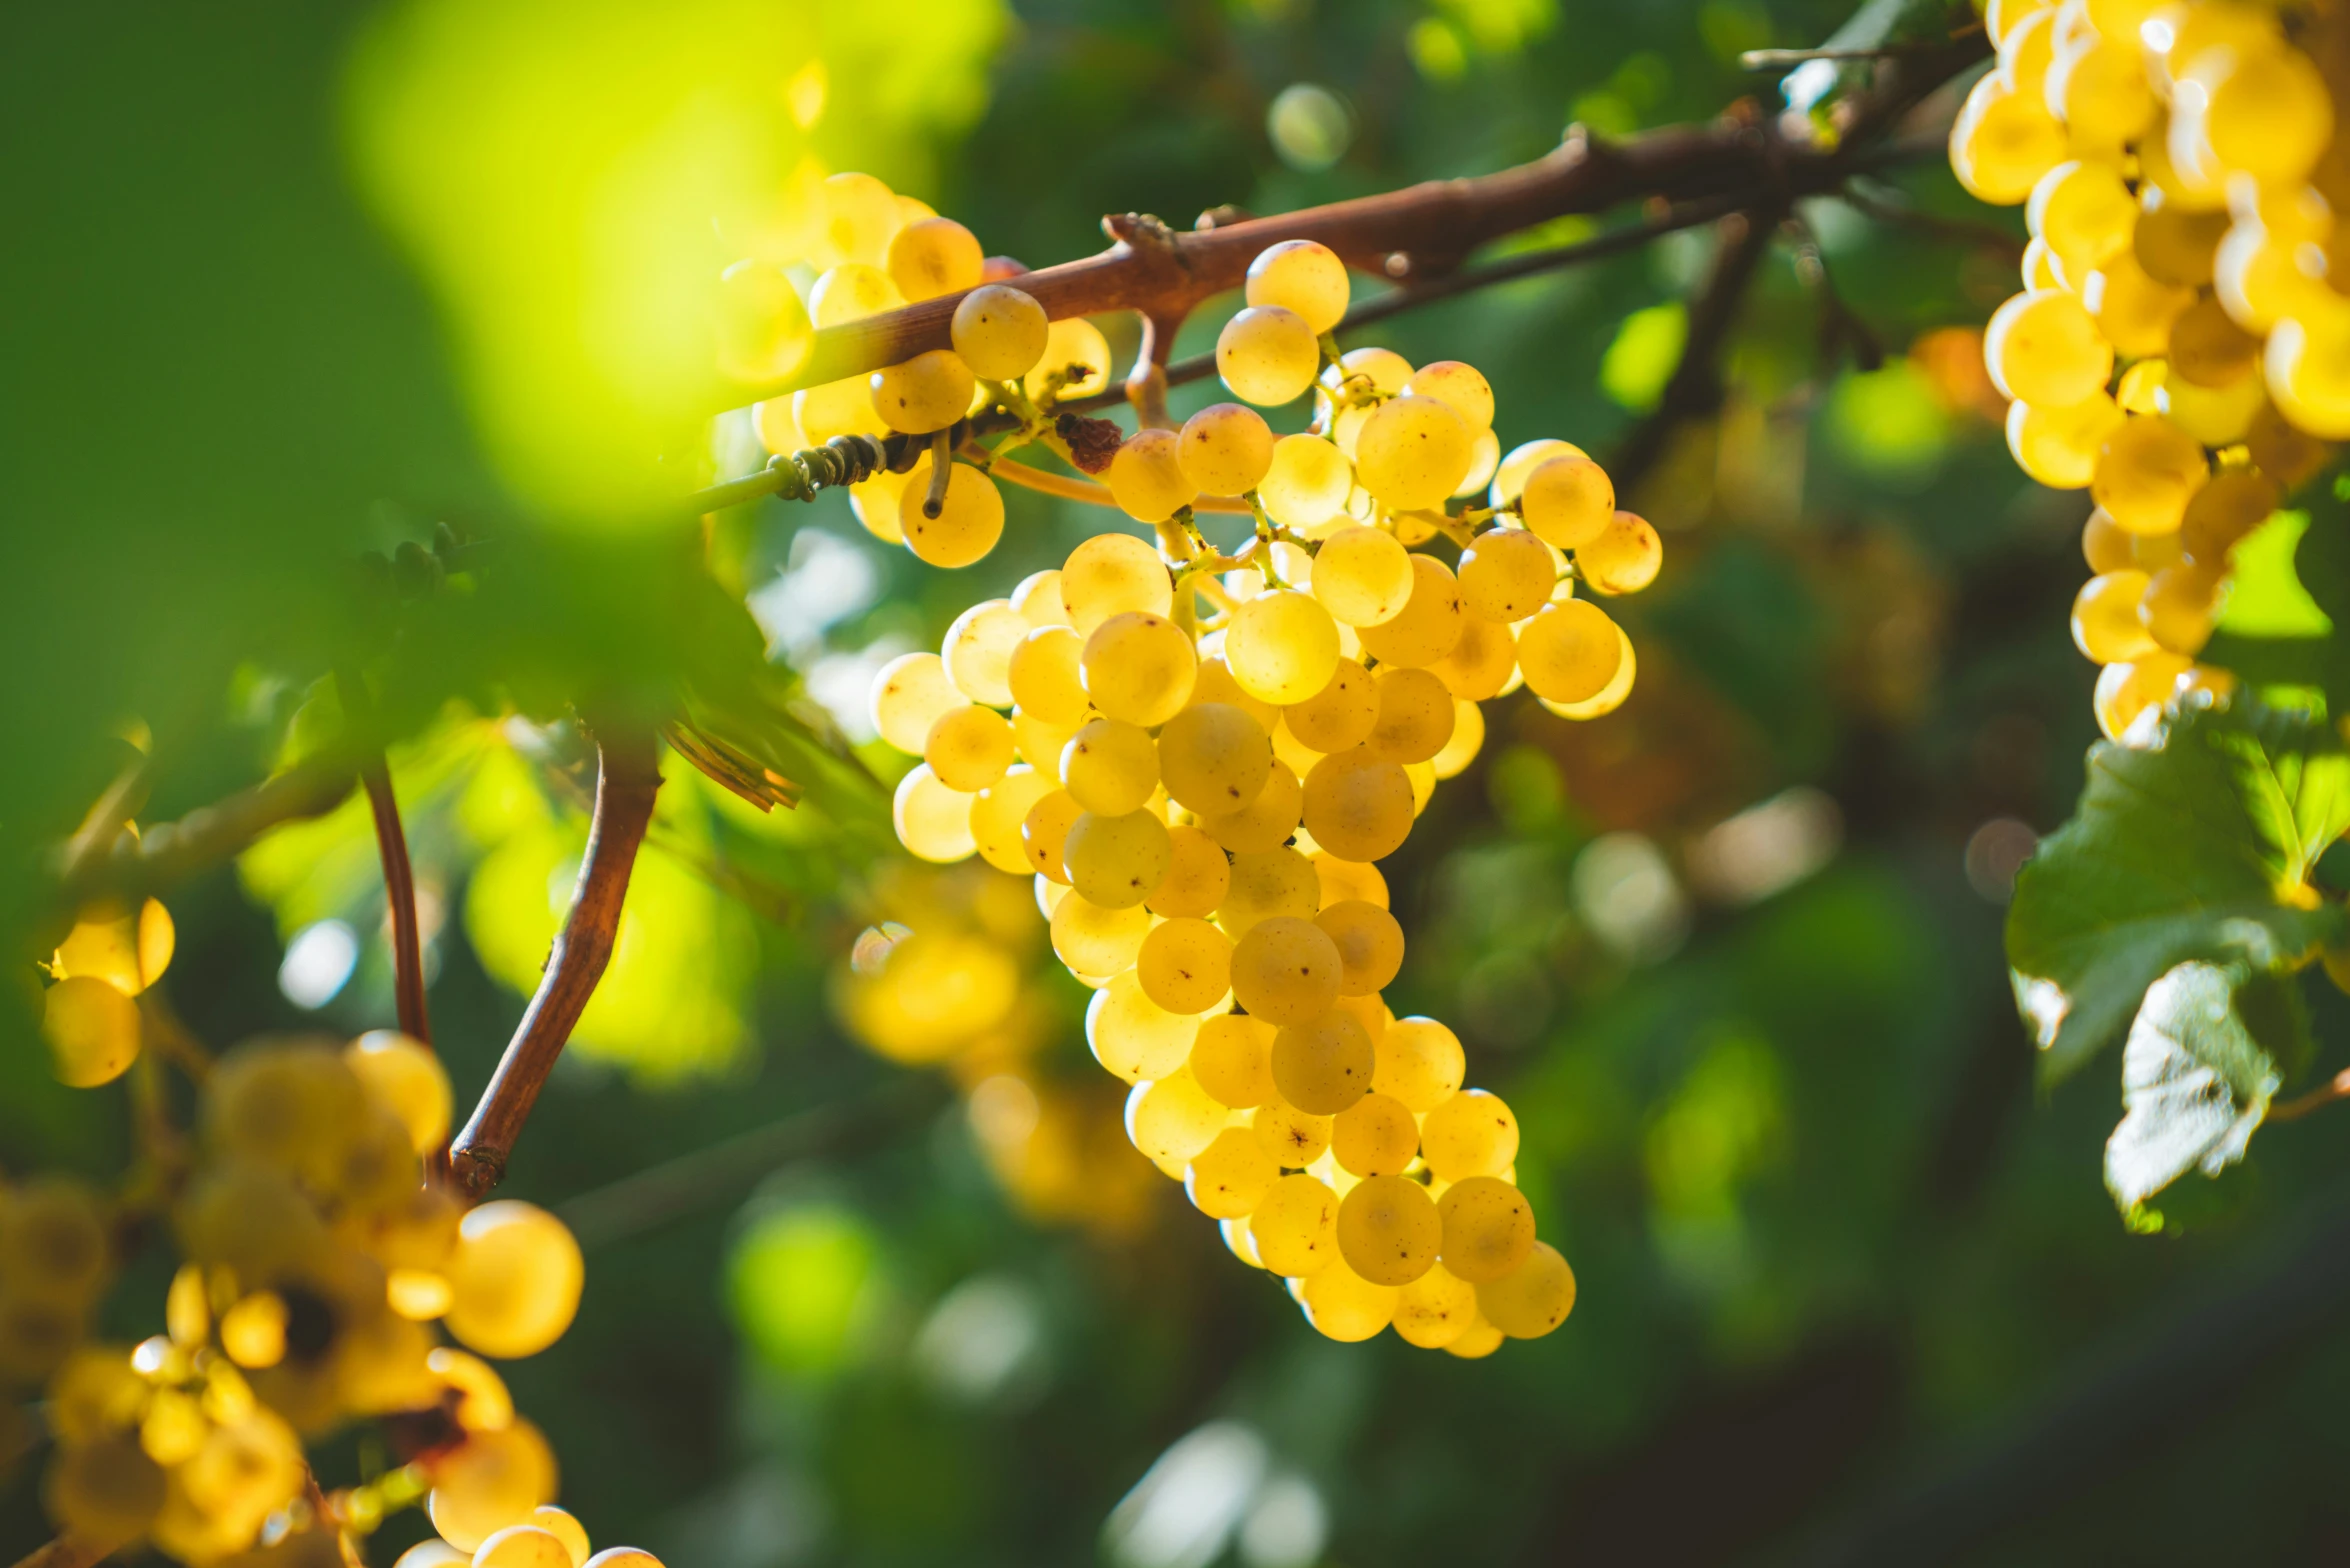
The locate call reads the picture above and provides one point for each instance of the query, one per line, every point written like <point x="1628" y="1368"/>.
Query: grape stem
<point x="1070" y="488"/>
<point x="169" y="851"/>
<point x="391" y="844"/>
<point x="941" y="469"/>
<point x="2336" y="1088"/>
<point x="628" y="777"/>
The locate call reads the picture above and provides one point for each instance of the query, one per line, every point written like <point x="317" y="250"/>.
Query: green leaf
<point x="2194" y="846"/>
<point x="2196" y="1082"/>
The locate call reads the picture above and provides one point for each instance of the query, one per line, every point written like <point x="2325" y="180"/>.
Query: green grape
<point x="1322" y="1066"/>
<point x="1172" y="1119"/>
<point x="1185" y="965"/>
<point x="2306" y="371"/>
<point x="999" y="331"/>
<point x="1625" y="558"/>
<point x="1488" y="1228"/>
<point x="1532" y="1299"/>
<point x="1308" y="482"/>
<point x="1116" y="862"/>
<point x="1481" y="665"/>
<point x="1281" y="647"/>
<point x="1415" y="716"/>
<point x="1147" y="477"/>
<point x="1303" y="277"/>
<point x="1225" y="449"/>
<point x="1045" y="678"/>
<point x="2085" y="213"/>
<point x="514" y="1281"/>
<point x="1569" y="652"/>
<point x="2058" y="446"/>
<point x="1459" y="387"/>
<point x="92" y="1030"/>
<point x="1110" y="767"/>
<point x="1295" y="1228"/>
<point x="1388" y="1232"/>
<point x="405" y="1075"/>
<point x="1506" y="574"/>
<point x="491" y="1480"/>
<point x="1139" y="667"/>
<point x="2133" y="310"/>
<point x="1230" y="1177"/>
<point x="1515" y="468"/>
<point x="523" y="1546"/>
<point x="1264" y="823"/>
<point x="1567" y="500"/>
<point x="1267" y="883"/>
<point x="1357" y="806"/>
<point x="2236" y="501"/>
<point x="851" y="292"/>
<point x="934" y="256"/>
<point x="1362" y="576"/>
<point x="1435" y="1310"/>
<point x="2179" y="606"/>
<point x="1413" y="451"/>
<point x="1232" y="1057"/>
<point x="2044" y="348"/>
<point x="2003" y="141"/>
<point x="2147" y="471"/>
<point x="1430" y="622"/>
<point x="1341" y="715"/>
<point x="763" y="331"/>
<point x="1134" y="1037"/>
<point x="1093" y="939"/>
<point x="1198" y="876"/>
<point x="1375" y="1136"/>
<point x="1370" y="945"/>
<point x="1293" y="1137"/>
<point x="1267" y="355"/>
<point x="933" y="821"/>
<point x="926" y="393"/>
<point x="1076" y="357"/>
<point x="1286" y="971"/>
<point x="1470" y="1134"/>
<point x="2105" y="618"/>
<point x="969" y="748"/>
<point x="1113" y="574"/>
<point x="970" y="518"/>
<point x="1038" y="599"/>
<point x="1215" y="758"/>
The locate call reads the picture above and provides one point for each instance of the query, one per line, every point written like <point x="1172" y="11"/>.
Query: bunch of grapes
<point x="2182" y="345"/>
<point x="1200" y="757"/>
<point x="90" y="1013"/>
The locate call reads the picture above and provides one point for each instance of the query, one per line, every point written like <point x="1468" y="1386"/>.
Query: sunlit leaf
<point x="2196" y="1082"/>
<point x="802" y="1283"/>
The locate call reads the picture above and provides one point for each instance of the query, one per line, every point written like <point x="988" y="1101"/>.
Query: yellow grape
<point x="1281" y="647"/>
<point x="1344" y="1306"/>
<point x="1388" y="1231"/>
<point x="1430" y="623"/>
<point x="2003" y="141"/>
<point x="568" y="1530"/>
<point x="1303" y="277"/>
<point x="1308" y="482"/>
<point x="1147" y="478"/>
<point x="1215" y="684"/>
<point x="1569" y="652"/>
<point x="1214" y="758"/>
<point x="1296" y="1228"/>
<point x="1225" y="449"/>
<point x="978" y="650"/>
<point x="2100" y="91"/>
<point x="1110" y="767"/>
<point x="2059" y="446"/>
<point x="1413" y="451"/>
<point x="1459" y="387"/>
<point x="1139" y="667"/>
<point x="1042" y="676"/>
<point x="1293" y="753"/>
<point x="876" y="501"/>
<point x="1341" y="715"/>
<point x="1265" y="822"/>
<point x="2216" y="417"/>
<point x="1267" y="355"/>
<point x="1265" y="883"/>
<point x="1358" y="806"/>
<point x="969" y="748"/>
<point x="970" y="519"/>
<point x="2285" y="453"/>
<point x="2124" y="691"/>
<point x="1567" y="500"/>
<point x="2085" y="213"/>
<point x="2261" y="276"/>
<point x="1435" y="1310"/>
<point x="1468" y="738"/>
<point x="1094" y="940"/>
<point x="1038" y="599"/>
<point x="1481" y="665"/>
<point x="1375" y="1136"/>
<point x="2044" y="348"/>
<point x="1134" y="1037"/>
<point x="523" y="1546"/>
<point x="2308" y="370"/>
<point x="1111" y="574"/>
<point x="1116" y="862"/>
<point x="851" y="292"/>
<point x="1533" y="1298"/>
<point x="1415" y="716"/>
<point x="999" y="331"/>
<point x="1039" y="743"/>
<point x="1370" y="945"/>
<point x="2133" y="310"/>
<point x="2266" y="113"/>
<point x="1230" y="1177"/>
<point x="1185" y="965"/>
<point x="404" y="1074"/>
<point x="2178" y="607"/>
<point x="1362" y="576"/>
<point x="1172" y="1119"/>
<point x="2236" y="501"/>
<point x="2002" y="17"/>
<point x="932" y="820"/>
<point x="763" y="330"/>
<point x="2187" y="31"/>
<point x="1077" y="357"/>
<point x="92" y="1030"/>
<point x="1286" y="971"/>
<point x="1198" y="875"/>
<point x="1232" y="1057"/>
<point x="2026" y="52"/>
<point x="623" y="1557"/>
<point x="1322" y="1066"/>
<point x="1488" y="1228"/>
<point x="2105" y="547"/>
<point x="997" y="813"/>
<point x="1506" y="574"/>
<point x="855" y="216"/>
<point x="2209" y="349"/>
<point x="837" y="408"/>
<point x="128" y="951"/>
<point x="1518" y="465"/>
<point x="1044" y="832"/>
<point x="928" y="392"/>
<point x="515" y="1280"/>
<point x="2175" y="243"/>
<point x="1470" y="1134"/>
<point x="934" y="256"/>
<point x="2147" y="471"/>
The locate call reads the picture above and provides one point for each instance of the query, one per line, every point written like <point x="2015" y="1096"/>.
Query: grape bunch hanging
<point x="1200" y="755"/>
<point x="2181" y="348"/>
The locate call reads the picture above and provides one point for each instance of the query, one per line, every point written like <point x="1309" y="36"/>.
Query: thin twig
<point x="1070" y="488"/>
<point x="628" y="778"/>
<point x="391" y="845"/>
<point x="2338" y="1088"/>
<point x="1952" y="231"/>
<point x="168" y="851"/>
<point x="1787" y="59"/>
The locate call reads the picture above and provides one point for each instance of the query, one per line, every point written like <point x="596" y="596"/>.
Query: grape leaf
<point x="2196" y="1081"/>
<point x="2196" y="845"/>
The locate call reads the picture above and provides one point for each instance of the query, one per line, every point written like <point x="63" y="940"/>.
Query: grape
<point x="970" y="518"/>
<point x="935" y="256"/>
<point x="856" y="214"/>
<point x="2209" y="349"/>
<point x="1484" y="458"/>
<point x="1071" y="344"/>
<point x="2265" y="113"/>
<point x="1370" y="945"/>
<point x="851" y="292"/>
<point x="1470" y="1134"/>
<point x="1286" y="970"/>
<point x="1468" y="738"/>
<point x="1388" y="1231"/>
<point x="877" y="502"/>
<point x="491" y="1480"/>
<point x="1134" y="1037"/>
<point x="763" y="331"/>
<point x="1488" y="1228"/>
<point x="2260" y="277"/>
<point x="1225" y="449"/>
<point x="1116" y="862"/>
<point x="1569" y="652"/>
<point x="1110" y="767"/>
<point x="1362" y="576"/>
<point x="2285" y="453"/>
<point x="2179" y="606"/>
<point x="623" y="1557"/>
<point x="1303" y="277"/>
<point x="1461" y="388"/>
<point x="1375" y="1136"/>
<point x="1267" y="355"/>
<point x="1322" y="1066"/>
<point x="1308" y="482"/>
<point x="1479" y="1340"/>
<point x="2100" y="90"/>
<point x="1415" y="716"/>
<point x="2124" y="691"/>
<point x="1413" y="451"/>
<point x="2215" y="417"/>
<point x="2133" y="310"/>
<point x="928" y="392"/>
<point x="1341" y="880"/>
<point x="1518" y="465"/>
<point x="2026" y="52"/>
<point x="933" y="821"/>
<point x="2044" y="348"/>
<point x="1095" y="940"/>
<point x="92" y="1030"/>
<point x="1197" y="876"/>
<point x="105" y="1493"/>
<point x="2003" y="141"/>
<point x="523" y="1546"/>
<point x="2305" y="365"/>
<point x="1341" y="715"/>
<point x="1294" y="754"/>
<point x="779" y="432"/>
<point x="1435" y="1310"/>
<point x="1532" y="1299"/>
<point x="1430" y="623"/>
<point x="1267" y="883"/>
<point x="1281" y="647"/>
<point x="1296" y="1228"/>
<point x="563" y="1527"/>
<point x="515" y="1280"/>
<point x="1357" y="806"/>
<point x="2236" y="501"/>
<point x="2085" y="213"/>
<point x="1215" y="758"/>
<point x="1139" y="667"/>
<point x="403" y="1074"/>
<point x="1567" y="500"/>
<point x="2059" y="446"/>
<point x="2147" y="471"/>
<point x="1172" y="1119"/>
<point x="1625" y="558"/>
<point x="969" y="748"/>
<point x="1232" y="1057"/>
<point x="2002" y="17"/>
<point x="1230" y="1177"/>
<point x="1215" y="684"/>
<point x="129" y="952"/>
<point x="1111" y="574"/>
<point x="432" y="1552"/>
<point x="2173" y="243"/>
<point x="1042" y="675"/>
<point x="999" y="331"/>
<point x="2105" y="618"/>
<point x="1185" y="965"/>
<point x="1481" y="665"/>
<point x="1506" y="574"/>
<point x="1344" y="1306"/>
<point x="1147" y="476"/>
<point x="1265" y="822"/>
<point x="1038" y="599"/>
<point x="2188" y="31"/>
<point x="1040" y="744"/>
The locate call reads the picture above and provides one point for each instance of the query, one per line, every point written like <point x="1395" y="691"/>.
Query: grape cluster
<point x="2181" y="348"/>
<point x="90" y="1014"/>
<point x="1200" y="757"/>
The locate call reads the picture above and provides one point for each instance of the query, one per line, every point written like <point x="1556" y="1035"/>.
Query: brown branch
<point x="168" y="851"/>
<point x="391" y="844"/>
<point x="2338" y="1088"/>
<point x="61" y="1553"/>
<point x="628" y="778"/>
<point x="1070" y="488"/>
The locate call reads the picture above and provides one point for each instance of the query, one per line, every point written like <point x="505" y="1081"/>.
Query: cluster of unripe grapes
<point x="1199" y="757"/>
<point x="2181" y="348"/>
